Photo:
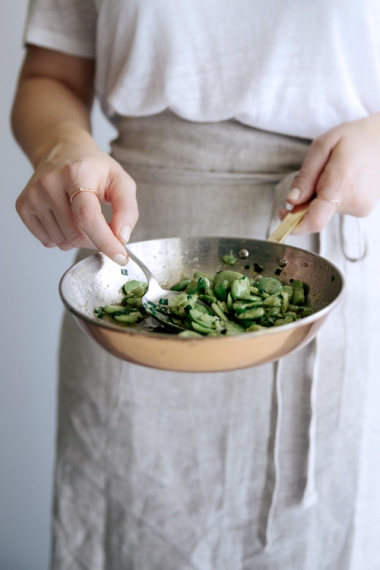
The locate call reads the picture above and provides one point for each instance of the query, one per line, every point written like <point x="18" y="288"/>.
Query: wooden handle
<point x="288" y="223"/>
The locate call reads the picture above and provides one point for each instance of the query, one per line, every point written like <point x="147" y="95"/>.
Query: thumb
<point x="121" y="194"/>
<point x="304" y="184"/>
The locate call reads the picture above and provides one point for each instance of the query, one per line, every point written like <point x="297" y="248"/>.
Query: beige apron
<point x="269" y="468"/>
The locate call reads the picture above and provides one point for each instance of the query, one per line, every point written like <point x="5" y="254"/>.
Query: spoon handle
<point x="148" y="274"/>
<point x="290" y="221"/>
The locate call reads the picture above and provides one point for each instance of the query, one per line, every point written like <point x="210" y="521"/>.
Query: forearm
<point x="47" y="112"/>
<point x="53" y="101"/>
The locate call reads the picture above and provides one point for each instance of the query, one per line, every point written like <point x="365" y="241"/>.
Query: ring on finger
<point x="336" y="202"/>
<point x="79" y="190"/>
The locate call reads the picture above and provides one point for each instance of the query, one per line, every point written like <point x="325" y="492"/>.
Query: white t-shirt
<point x="296" y="67"/>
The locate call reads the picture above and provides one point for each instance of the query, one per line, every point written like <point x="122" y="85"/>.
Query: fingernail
<point x="294" y="194"/>
<point x="120" y="259"/>
<point x="125" y="233"/>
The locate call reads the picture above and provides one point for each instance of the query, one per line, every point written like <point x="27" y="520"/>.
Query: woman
<point x="216" y="107"/>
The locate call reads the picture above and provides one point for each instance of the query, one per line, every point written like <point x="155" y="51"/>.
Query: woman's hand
<point x="51" y="122"/>
<point x="341" y="173"/>
<point x="73" y="162"/>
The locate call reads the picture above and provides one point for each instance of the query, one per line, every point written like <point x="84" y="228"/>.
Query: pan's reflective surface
<point x="97" y="280"/>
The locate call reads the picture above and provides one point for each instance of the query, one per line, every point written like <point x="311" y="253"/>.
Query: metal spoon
<point x="154" y="300"/>
<point x="151" y="300"/>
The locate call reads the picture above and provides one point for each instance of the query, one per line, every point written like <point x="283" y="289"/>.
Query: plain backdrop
<point x="31" y="313"/>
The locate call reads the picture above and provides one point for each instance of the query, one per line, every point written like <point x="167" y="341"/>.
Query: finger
<point x="304" y="185"/>
<point x="282" y="212"/>
<point x="47" y="231"/>
<point x="32" y="221"/>
<point x="65" y="220"/>
<point x="50" y="225"/>
<point x="333" y="180"/>
<point x="319" y="211"/>
<point x="63" y="230"/>
<point x="37" y="229"/>
<point x="122" y="196"/>
<point x="56" y="225"/>
<point x="317" y="217"/>
<point x="90" y="220"/>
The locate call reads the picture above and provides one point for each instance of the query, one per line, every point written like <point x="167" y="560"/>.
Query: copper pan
<point x="97" y="280"/>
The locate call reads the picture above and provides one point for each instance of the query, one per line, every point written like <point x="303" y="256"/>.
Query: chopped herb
<point x="99" y="313"/>
<point x="124" y="271"/>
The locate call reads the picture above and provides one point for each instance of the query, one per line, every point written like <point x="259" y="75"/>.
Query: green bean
<point x="180" y="304"/>
<point x="199" y="274"/>
<point x="111" y="309"/>
<point x="135" y="288"/>
<point x="227" y="275"/>
<point x="240" y="288"/>
<point x="285" y="301"/>
<point x="298" y="293"/>
<point x="292" y="315"/>
<point x="132" y="318"/>
<point x="228" y="303"/>
<point x="255" y="328"/>
<point x="221" y="290"/>
<point x="218" y="311"/>
<point x="233" y="328"/>
<point x="133" y="302"/>
<point x="207" y="298"/>
<point x="272" y="301"/>
<point x="269" y="285"/>
<point x="252" y="314"/>
<point x="189" y="334"/>
<point x="289" y="290"/>
<point x="273" y="311"/>
<point x="229" y="259"/>
<point x="241" y="306"/>
<point x="181" y="284"/>
<point x="192" y="287"/>
<point x="201" y="329"/>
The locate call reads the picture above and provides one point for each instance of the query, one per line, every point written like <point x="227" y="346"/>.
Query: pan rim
<point x="158" y="335"/>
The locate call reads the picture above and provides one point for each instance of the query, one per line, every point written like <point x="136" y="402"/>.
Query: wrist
<point x="68" y="134"/>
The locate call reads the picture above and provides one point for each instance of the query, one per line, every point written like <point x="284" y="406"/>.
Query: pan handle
<point x="288" y="223"/>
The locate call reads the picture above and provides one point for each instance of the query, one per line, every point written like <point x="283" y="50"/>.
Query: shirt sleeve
<point x="68" y="26"/>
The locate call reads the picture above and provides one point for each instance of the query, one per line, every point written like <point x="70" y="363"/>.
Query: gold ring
<point x="79" y="190"/>
<point x="336" y="202"/>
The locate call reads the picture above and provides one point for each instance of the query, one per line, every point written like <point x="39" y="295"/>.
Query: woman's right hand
<point x="74" y="161"/>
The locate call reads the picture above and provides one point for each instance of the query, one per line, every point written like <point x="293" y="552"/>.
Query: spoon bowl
<point x="156" y="298"/>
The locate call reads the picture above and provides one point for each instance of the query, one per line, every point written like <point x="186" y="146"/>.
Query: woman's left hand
<point x="341" y="173"/>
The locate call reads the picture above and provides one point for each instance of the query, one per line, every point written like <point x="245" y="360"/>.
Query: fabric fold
<point x="277" y="368"/>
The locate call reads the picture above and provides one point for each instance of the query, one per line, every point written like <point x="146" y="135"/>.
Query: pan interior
<point x="96" y="280"/>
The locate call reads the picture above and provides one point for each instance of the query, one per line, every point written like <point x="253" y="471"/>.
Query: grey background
<point x="30" y="312"/>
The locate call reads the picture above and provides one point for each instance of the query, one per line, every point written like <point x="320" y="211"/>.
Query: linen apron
<point x="268" y="468"/>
